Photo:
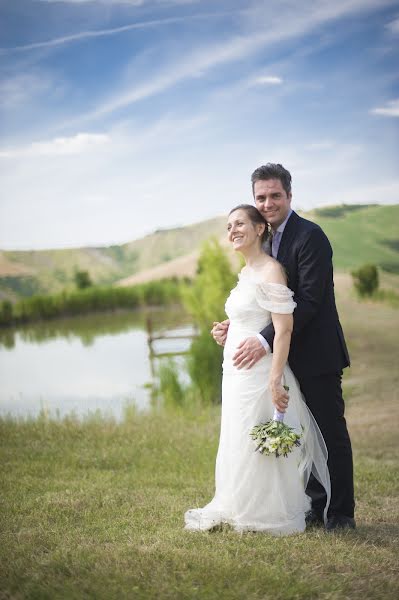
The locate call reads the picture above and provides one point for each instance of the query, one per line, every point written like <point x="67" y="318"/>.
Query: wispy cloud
<point x="22" y="88"/>
<point x="267" y="80"/>
<point x="85" y="35"/>
<point x="201" y="60"/>
<point x="196" y="63"/>
<point x="391" y="109"/>
<point x="77" y="144"/>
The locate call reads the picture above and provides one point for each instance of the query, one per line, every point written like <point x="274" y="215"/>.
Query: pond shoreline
<point x="90" y="300"/>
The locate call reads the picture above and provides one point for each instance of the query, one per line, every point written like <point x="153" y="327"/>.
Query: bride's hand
<point x="279" y="397"/>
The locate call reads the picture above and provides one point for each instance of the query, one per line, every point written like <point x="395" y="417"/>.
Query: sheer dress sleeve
<point x="275" y="297"/>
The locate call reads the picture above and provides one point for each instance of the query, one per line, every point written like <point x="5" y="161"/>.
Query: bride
<point x="255" y="492"/>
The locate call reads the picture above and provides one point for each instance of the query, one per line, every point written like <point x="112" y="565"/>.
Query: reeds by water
<point x="92" y="299"/>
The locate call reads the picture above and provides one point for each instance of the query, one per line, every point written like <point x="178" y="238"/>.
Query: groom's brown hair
<point x="272" y="171"/>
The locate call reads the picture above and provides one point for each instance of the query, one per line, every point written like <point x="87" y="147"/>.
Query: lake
<point x="81" y="365"/>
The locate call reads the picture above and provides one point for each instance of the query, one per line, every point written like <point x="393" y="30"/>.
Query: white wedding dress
<point x="255" y="492"/>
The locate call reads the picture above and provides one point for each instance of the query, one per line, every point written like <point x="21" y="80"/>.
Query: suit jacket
<point x="318" y="344"/>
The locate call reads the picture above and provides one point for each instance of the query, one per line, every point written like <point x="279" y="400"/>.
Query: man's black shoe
<point x="340" y="522"/>
<point x="314" y="518"/>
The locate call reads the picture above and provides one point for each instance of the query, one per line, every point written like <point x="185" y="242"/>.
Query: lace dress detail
<point x="255" y="492"/>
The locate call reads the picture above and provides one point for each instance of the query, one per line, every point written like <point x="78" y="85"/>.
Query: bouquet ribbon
<point x="278" y="416"/>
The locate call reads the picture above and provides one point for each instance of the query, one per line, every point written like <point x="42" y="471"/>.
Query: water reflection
<point x="98" y="362"/>
<point x="87" y="328"/>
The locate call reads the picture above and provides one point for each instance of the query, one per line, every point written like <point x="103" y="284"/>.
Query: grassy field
<point x="95" y="509"/>
<point x="366" y="235"/>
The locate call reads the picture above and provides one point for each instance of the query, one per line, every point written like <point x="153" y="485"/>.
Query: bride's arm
<point x="283" y="325"/>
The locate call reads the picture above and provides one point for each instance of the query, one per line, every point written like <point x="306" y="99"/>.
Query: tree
<point x="205" y="300"/>
<point x="206" y="297"/>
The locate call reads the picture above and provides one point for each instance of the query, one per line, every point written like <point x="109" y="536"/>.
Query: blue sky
<point x="121" y="117"/>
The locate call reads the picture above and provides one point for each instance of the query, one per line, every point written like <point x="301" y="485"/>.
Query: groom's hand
<point x="248" y="353"/>
<point x="219" y="331"/>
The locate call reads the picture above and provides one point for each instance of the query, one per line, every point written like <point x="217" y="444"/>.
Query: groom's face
<point x="272" y="201"/>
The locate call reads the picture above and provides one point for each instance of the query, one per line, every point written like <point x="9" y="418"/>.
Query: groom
<point x="318" y="351"/>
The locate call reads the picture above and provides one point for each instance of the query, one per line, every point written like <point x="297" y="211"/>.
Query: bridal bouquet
<point x="274" y="437"/>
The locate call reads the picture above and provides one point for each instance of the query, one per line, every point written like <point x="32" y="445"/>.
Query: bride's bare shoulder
<point x="273" y="272"/>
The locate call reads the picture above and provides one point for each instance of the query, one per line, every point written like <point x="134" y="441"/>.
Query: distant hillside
<point x="358" y="234"/>
<point x="23" y="273"/>
<point x="361" y="234"/>
<point x="182" y="266"/>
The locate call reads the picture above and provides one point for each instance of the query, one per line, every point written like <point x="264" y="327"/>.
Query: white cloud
<point x="393" y="26"/>
<point x="391" y="109"/>
<point x="22" y="88"/>
<point x="132" y="188"/>
<point x="267" y="80"/>
<point x="77" y="144"/>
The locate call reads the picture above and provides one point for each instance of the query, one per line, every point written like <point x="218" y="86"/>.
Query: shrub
<point x="82" y="280"/>
<point x="6" y="313"/>
<point x="170" y="388"/>
<point x="204" y="365"/>
<point x="365" y="280"/>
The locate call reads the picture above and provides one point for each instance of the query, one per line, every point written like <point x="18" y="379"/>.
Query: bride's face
<point x="242" y="233"/>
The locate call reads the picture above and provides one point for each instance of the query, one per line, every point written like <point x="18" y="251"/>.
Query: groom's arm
<point x="314" y="273"/>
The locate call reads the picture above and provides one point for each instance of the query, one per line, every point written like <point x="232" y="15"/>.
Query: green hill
<point x="359" y="234"/>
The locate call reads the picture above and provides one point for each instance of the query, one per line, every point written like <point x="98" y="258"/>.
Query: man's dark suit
<point x="318" y="352"/>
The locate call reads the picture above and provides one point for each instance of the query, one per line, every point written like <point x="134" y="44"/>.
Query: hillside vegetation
<point x="359" y="234"/>
<point x="23" y="273"/>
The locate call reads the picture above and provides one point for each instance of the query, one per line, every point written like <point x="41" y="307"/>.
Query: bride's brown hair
<point x="255" y="217"/>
